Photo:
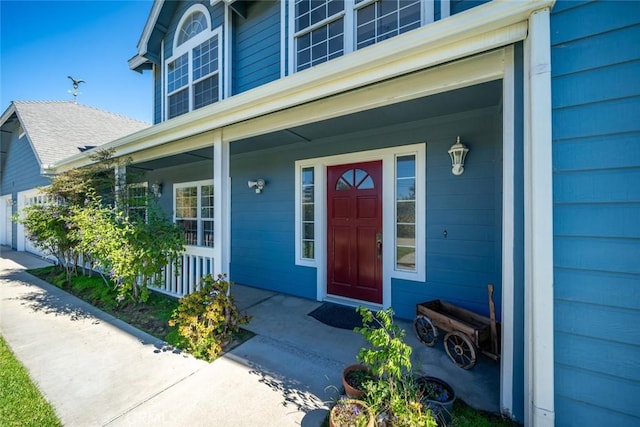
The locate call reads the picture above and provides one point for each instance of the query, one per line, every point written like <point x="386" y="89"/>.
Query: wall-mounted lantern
<point x="458" y="152"/>
<point x="257" y="184"/>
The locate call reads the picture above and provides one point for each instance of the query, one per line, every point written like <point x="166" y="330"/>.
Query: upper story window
<point x="193" y="71"/>
<point x="326" y="29"/>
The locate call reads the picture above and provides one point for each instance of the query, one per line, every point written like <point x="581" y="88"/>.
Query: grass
<point x="21" y="403"/>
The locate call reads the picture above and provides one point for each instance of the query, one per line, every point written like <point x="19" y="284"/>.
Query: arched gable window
<point x="193" y="71"/>
<point x="193" y="25"/>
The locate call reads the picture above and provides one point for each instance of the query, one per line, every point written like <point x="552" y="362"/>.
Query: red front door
<point x="354" y="231"/>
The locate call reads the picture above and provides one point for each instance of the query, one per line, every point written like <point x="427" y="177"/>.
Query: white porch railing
<point x="180" y="279"/>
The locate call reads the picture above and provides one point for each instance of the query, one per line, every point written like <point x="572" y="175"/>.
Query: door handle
<point x="379" y="244"/>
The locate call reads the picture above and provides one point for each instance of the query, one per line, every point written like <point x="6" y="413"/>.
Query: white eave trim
<point x="148" y="28"/>
<point x="482" y="28"/>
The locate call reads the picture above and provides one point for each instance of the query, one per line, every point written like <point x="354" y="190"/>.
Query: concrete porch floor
<point x="97" y="370"/>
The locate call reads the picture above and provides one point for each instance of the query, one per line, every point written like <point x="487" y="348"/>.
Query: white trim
<point x="445" y="9"/>
<point x="187" y="48"/>
<point x="221" y="204"/>
<point x="198" y="218"/>
<point x="538" y="187"/>
<point x="228" y="52"/>
<point x="479" y="29"/>
<point x="6" y="226"/>
<point x="284" y="28"/>
<point x="388" y="158"/>
<point x="508" y="233"/>
<point x="194" y="41"/>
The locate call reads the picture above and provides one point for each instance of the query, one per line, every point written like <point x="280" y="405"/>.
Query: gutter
<point x="484" y="27"/>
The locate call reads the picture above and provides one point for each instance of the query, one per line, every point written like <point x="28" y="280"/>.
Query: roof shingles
<point x="60" y="129"/>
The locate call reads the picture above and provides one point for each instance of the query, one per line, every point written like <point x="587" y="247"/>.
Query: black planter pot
<point x="439" y="396"/>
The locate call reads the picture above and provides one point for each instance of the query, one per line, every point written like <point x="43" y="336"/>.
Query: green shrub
<point x="208" y="319"/>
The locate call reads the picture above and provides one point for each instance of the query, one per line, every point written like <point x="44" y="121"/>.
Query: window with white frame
<point x="405" y="229"/>
<point x="327" y="29"/>
<point x="193" y="71"/>
<point x="137" y="198"/>
<point x="193" y="207"/>
<point x="307" y="208"/>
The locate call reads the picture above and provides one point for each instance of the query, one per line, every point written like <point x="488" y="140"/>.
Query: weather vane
<point x="74" y="92"/>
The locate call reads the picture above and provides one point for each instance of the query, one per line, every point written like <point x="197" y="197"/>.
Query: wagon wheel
<point x="426" y="332"/>
<point x="460" y="349"/>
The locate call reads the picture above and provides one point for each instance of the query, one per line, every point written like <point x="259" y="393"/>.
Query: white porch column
<point x="539" y="356"/>
<point x="221" y="204"/>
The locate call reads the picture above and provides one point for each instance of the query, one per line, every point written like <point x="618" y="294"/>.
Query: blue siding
<point x="458" y="6"/>
<point x="458" y="267"/>
<point x="22" y="170"/>
<point x="596" y="161"/>
<point x="256" y="46"/>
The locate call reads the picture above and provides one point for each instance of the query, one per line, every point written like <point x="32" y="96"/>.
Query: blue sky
<point x="43" y="42"/>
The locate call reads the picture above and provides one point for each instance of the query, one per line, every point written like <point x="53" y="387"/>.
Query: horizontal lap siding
<point x="256" y="46"/>
<point x="21" y="168"/>
<point x="468" y="206"/>
<point x="596" y="161"/>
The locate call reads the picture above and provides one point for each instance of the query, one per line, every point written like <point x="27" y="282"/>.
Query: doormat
<point x="338" y="316"/>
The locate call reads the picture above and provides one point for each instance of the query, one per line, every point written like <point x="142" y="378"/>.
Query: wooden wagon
<point x="466" y="332"/>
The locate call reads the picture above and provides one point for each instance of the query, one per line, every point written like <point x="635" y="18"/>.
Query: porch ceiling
<point x="175" y="160"/>
<point x="475" y="97"/>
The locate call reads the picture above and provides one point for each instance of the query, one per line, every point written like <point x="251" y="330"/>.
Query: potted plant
<point x="394" y="396"/>
<point x="349" y="412"/>
<point x="353" y="379"/>
<point x="437" y="395"/>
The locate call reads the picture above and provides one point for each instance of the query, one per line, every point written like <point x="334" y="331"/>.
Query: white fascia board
<point x="10" y="111"/>
<point x="482" y="28"/>
<point x="149" y="26"/>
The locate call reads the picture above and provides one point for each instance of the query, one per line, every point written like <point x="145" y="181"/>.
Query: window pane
<point x="187" y="202"/>
<point x="307" y="179"/>
<point x="405" y="258"/>
<point x="190" y="230"/>
<point x="406" y="235"/>
<point x="194" y="24"/>
<point x="179" y="103"/>
<point x="307" y="233"/>
<point x="406" y="189"/>
<point x="308" y="249"/>
<point x="178" y="73"/>
<point x="206" y="201"/>
<point x="205" y="92"/>
<point x="320" y="45"/>
<point x="406" y="212"/>
<point x="307" y="212"/>
<point x="406" y="166"/>
<point x="205" y="58"/>
<point x="384" y="19"/>
<point x="207" y="233"/>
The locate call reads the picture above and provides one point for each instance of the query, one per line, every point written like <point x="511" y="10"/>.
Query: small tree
<point x="51" y="229"/>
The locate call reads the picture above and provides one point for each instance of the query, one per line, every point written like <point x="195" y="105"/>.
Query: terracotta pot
<point x="348" y="388"/>
<point x="334" y="419"/>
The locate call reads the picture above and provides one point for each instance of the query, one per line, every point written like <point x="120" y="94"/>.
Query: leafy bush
<point x="133" y="252"/>
<point x="208" y="319"/>
<point x="52" y="230"/>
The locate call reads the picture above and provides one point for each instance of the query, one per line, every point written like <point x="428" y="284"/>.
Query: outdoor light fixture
<point x="156" y="189"/>
<point x="458" y="152"/>
<point x="257" y="184"/>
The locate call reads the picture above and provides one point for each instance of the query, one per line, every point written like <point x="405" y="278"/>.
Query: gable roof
<point x="59" y="129"/>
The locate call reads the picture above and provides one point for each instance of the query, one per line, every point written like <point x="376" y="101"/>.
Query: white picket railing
<point x="179" y="279"/>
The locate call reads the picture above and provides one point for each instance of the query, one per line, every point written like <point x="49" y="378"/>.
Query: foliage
<point x="388" y="355"/>
<point x="52" y="230"/>
<point x="208" y="318"/>
<point x="92" y="219"/>
<point x="132" y="251"/>
<point x="21" y="403"/>
<point x="394" y="394"/>
<point x="350" y="413"/>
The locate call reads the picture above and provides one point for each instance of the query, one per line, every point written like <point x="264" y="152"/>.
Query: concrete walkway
<point x="99" y="371"/>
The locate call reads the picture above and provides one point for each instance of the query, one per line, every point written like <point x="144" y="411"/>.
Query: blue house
<point x="39" y="133"/>
<point x="304" y="147"/>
